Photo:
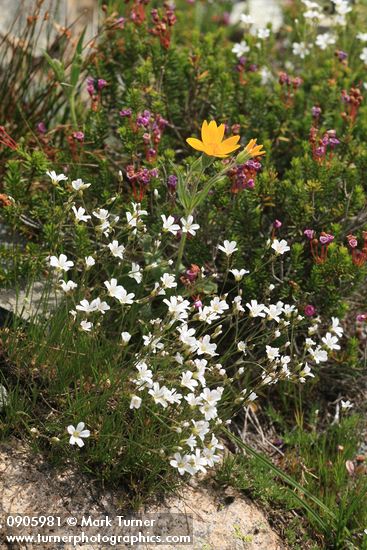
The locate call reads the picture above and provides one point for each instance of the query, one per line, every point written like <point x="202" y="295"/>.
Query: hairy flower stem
<point x="197" y="197"/>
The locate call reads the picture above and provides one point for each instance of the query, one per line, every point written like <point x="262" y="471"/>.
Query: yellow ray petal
<point x="205" y="132"/>
<point x="233" y="140"/>
<point x="253" y="149"/>
<point x="229" y="145"/>
<point x="196" y="144"/>
<point x="220" y="132"/>
<point x="212" y="133"/>
<point x="258" y="151"/>
<point x="250" y="144"/>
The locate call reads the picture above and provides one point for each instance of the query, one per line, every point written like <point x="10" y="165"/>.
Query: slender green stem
<point x="181" y="252"/>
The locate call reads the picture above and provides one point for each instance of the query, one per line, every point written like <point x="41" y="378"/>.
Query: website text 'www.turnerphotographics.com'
<point x="83" y="529"/>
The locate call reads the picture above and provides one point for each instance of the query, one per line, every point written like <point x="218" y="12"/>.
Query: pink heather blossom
<point x="309" y="233"/>
<point x="352" y="241"/>
<point x="310" y="310"/>
<point x="79" y="136"/>
<point x="326" y="238"/>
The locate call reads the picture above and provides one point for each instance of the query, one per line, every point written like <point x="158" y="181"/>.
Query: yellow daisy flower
<point x="212" y="143"/>
<point x="253" y="149"/>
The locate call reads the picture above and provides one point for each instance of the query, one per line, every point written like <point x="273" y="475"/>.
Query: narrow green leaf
<point x="288" y="479"/>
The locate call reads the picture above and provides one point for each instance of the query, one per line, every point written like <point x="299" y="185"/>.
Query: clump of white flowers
<point x="315" y="16"/>
<point x="189" y="364"/>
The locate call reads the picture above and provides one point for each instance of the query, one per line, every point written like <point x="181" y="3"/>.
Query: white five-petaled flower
<point x="86" y="325"/>
<point x="335" y="327"/>
<point x="266" y="75"/>
<point x="180" y="462"/>
<point x="133" y="217"/>
<point x="79" y="185"/>
<point x="197" y="463"/>
<point x="101" y="214"/>
<point x="330" y="341"/>
<point x="87" y="307"/>
<point x="362" y="36"/>
<point x="346" y="404"/>
<point x="136" y="272"/>
<point x="263" y="33"/>
<point x="319" y="355"/>
<point x="324" y="40"/>
<point x="342" y="7"/>
<point x="173" y="397"/>
<point x="240" y="49"/>
<point x="168" y="281"/>
<point x="188" y="225"/>
<point x="300" y="49"/>
<point x="241" y="346"/>
<point x="256" y="310"/>
<point x="159" y="394"/>
<point x="80" y="214"/>
<point x="201" y="368"/>
<point x="116" y="249"/>
<point x="272" y="353"/>
<point x="100" y="306"/>
<point x="191" y="441"/>
<point x="205" y="346"/>
<point x="251" y="397"/>
<point x="144" y="377"/>
<point x="274" y="311"/>
<point x="119" y="292"/>
<point x="237" y="304"/>
<point x="170" y="225"/>
<point x="56" y="178"/>
<point x="135" y="402"/>
<point x="280" y="247"/>
<point x="154" y="342"/>
<point x="363" y="56"/>
<point x="201" y="428"/>
<point x="89" y="261"/>
<point x="211" y="457"/>
<point x="187" y="336"/>
<point x="61" y="262"/>
<point x="177" y="307"/>
<point x="76" y="434"/>
<point x="218" y="306"/>
<point x="238" y="274"/>
<point x="67" y="286"/>
<point x="125" y="337"/>
<point x="193" y="400"/>
<point x="228" y="247"/>
<point x="306" y="371"/>
<point x="188" y="381"/>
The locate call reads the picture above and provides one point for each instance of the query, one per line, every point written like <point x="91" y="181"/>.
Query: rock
<point x="80" y="13"/>
<point x="222" y="523"/>
<point x="3" y="397"/>
<point x="28" y="303"/>
<point x="29" y="486"/>
<point x="8" y="238"/>
<point x="24" y="303"/>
